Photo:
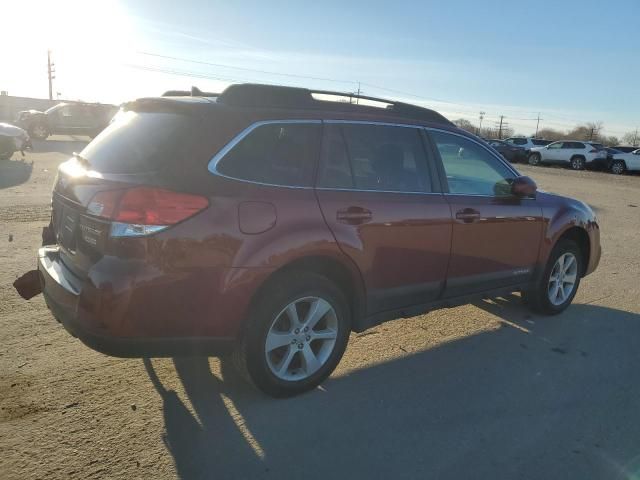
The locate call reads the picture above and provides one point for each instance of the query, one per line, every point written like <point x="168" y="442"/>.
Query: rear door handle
<point x="353" y="215"/>
<point x="468" y="215"/>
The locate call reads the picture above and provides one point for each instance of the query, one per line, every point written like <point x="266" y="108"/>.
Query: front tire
<point x="297" y="333"/>
<point x="534" y="159"/>
<point x="560" y="280"/>
<point x="39" y="131"/>
<point x="618" y="167"/>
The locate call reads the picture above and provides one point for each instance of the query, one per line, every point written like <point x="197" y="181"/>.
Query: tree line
<point x="591" y="131"/>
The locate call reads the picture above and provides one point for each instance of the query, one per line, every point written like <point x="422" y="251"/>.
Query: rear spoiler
<point x="194" y="92"/>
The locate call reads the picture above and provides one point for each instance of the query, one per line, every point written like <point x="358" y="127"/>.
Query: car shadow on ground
<point x="15" y="171"/>
<point x="540" y="397"/>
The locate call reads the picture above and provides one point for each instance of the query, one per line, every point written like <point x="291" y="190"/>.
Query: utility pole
<point x="358" y="97"/>
<point x="635" y="138"/>
<point x="500" y="128"/>
<point x="51" y="70"/>
<point x="482" y="114"/>
<point x="538" y="125"/>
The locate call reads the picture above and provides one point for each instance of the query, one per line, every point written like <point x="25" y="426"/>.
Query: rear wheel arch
<point x="334" y="270"/>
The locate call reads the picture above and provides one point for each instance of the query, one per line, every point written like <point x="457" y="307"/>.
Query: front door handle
<point x="353" y="215"/>
<point x="468" y="215"/>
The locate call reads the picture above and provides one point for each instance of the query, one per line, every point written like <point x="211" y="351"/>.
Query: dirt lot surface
<point x="482" y="391"/>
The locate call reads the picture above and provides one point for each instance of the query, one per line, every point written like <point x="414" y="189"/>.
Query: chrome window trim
<point x="376" y="191"/>
<point x="213" y="163"/>
<point x="370" y="122"/>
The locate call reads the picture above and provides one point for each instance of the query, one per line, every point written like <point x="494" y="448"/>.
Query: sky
<point x="569" y="61"/>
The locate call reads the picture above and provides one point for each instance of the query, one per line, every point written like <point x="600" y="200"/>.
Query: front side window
<point x="275" y="153"/>
<point x="554" y="146"/>
<point x="470" y="168"/>
<point x="520" y="141"/>
<point x="373" y="157"/>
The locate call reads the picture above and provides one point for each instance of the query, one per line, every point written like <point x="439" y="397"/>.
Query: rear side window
<point x="275" y="153"/>
<point x="386" y="158"/>
<point x="137" y="142"/>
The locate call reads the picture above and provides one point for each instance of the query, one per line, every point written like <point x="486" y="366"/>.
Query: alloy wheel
<point x="563" y="278"/>
<point x="577" y="163"/>
<point x="301" y="338"/>
<point x="617" y="168"/>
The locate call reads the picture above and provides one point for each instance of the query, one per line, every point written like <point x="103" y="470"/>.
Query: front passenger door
<point x="496" y="236"/>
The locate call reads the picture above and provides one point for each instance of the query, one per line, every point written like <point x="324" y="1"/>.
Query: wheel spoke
<point x="292" y="313"/>
<point x="311" y="362"/>
<point x="286" y="360"/>
<point x="318" y="309"/>
<point x="569" y="263"/>
<point x="324" y="334"/>
<point x="570" y="278"/>
<point x="277" y="340"/>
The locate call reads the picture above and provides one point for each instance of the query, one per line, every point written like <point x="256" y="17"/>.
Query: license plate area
<point x="65" y="223"/>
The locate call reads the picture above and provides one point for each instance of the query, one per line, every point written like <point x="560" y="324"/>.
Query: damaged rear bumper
<point x="63" y="293"/>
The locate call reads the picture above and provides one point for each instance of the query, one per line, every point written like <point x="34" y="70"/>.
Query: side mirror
<point x="523" y="187"/>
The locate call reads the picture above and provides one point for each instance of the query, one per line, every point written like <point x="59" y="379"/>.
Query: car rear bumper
<point x="93" y="315"/>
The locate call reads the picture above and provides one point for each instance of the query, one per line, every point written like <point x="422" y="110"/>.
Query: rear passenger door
<point x="378" y="196"/>
<point x="496" y="236"/>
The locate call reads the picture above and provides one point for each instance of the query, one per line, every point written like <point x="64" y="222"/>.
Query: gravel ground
<point x="481" y="391"/>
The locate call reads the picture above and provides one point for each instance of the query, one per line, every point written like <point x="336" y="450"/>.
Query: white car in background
<point x="527" y="143"/>
<point x="576" y="154"/>
<point x="623" y="162"/>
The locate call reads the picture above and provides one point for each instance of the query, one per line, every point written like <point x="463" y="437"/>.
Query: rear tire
<point x="565" y="264"/>
<point x="618" y="167"/>
<point x="283" y="352"/>
<point x="577" y="163"/>
<point x="534" y="159"/>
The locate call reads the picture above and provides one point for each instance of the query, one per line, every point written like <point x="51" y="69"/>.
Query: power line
<point x="266" y="72"/>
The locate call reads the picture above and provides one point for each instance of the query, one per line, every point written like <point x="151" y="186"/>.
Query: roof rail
<point x="258" y="95"/>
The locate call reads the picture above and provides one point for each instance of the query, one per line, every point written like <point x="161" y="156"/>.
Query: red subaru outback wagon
<point x="270" y="222"/>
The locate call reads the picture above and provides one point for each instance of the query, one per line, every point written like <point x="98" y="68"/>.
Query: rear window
<point x="138" y="142"/>
<point x="373" y="158"/>
<point x="276" y="153"/>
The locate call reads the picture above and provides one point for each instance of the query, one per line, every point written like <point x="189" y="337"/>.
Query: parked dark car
<point x="513" y="153"/>
<point x="67" y="119"/>
<point x="268" y="223"/>
<point x="625" y="148"/>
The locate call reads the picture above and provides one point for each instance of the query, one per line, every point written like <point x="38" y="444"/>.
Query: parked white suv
<point x="570" y="152"/>
<point x="528" y="143"/>
<point x="622" y="162"/>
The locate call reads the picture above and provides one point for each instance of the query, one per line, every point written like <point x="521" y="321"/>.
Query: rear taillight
<point x="144" y="210"/>
<point x="595" y="150"/>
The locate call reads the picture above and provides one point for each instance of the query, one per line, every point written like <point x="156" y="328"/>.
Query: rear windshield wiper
<point x="82" y="160"/>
